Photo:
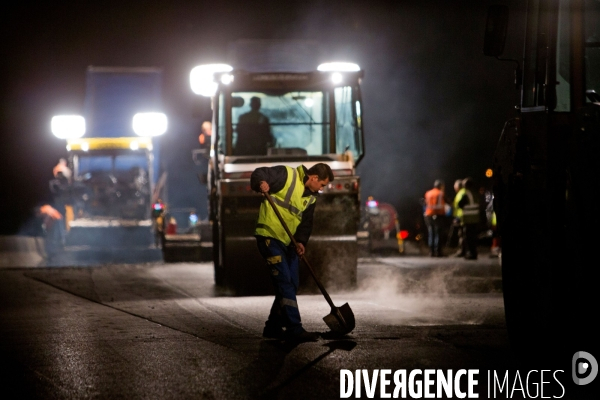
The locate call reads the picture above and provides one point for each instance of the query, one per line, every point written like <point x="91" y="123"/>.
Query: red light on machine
<point x="403" y="234"/>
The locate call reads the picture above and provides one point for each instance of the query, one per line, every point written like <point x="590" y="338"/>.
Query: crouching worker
<point x="294" y="192"/>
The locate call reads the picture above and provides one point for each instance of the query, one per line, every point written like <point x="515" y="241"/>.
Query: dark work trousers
<point x="455" y="236"/>
<point x="470" y="240"/>
<point x="434" y="227"/>
<point x="282" y="262"/>
<point x="460" y="229"/>
<point x="54" y="236"/>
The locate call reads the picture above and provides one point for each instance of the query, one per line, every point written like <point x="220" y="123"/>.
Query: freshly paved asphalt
<point x="162" y="331"/>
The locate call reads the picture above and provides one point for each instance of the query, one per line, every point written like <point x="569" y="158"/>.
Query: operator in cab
<point x="294" y="192"/>
<point x="254" y="135"/>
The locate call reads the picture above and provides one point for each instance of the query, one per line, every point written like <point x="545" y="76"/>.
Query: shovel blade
<point x="340" y="320"/>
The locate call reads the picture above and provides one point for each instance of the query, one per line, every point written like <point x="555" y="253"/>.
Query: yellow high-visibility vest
<point x="457" y="212"/>
<point x="470" y="211"/>
<point x="290" y="204"/>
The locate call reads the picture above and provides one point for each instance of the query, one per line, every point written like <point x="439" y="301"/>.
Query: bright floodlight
<point x="226" y="78"/>
<point x="149" y="124"/>
<point x="68" y="126"/>
<point x="338" y="67"/>
<point x="202" y="78"/>
<point x="336" y="77"/>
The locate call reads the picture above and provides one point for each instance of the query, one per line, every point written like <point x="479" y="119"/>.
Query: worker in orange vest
<point x="205" y="135"/>
<point x="49" y="216"/>
<point x="53" y="227"/>
<point x="435" y="210"/>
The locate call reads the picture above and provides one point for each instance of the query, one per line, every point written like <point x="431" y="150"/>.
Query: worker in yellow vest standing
<point x="469" y="203"/>
<point x="457" y="223"/>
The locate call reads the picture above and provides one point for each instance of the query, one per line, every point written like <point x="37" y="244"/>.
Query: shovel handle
<point x="312" y="272"/>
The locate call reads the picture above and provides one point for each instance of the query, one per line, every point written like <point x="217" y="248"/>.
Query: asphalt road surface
<point x="162" y="331"/>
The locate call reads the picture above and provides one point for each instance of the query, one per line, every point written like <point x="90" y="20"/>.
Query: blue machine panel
<point x="115" y="95"/>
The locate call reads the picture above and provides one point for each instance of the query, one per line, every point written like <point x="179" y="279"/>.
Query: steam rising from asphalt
<point x="443" y="294"/>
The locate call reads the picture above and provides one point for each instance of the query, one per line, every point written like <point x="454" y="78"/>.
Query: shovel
<point x="341" y="319"/>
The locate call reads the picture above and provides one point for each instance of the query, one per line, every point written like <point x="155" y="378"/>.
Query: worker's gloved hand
<point x="300" y="249"/>
<point x="264" y="187"/>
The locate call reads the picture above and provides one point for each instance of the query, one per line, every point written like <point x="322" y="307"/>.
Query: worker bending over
<point x="294" y="192"/>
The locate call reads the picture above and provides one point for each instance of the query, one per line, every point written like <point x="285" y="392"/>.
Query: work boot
<point x="270" y="332"/>
<point x="304" y="336"/>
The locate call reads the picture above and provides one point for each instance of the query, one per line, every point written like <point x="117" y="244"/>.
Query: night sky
<point x="433" y="104"/>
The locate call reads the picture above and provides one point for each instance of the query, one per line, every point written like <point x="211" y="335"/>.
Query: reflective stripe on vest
<point x="290" y="203"/>
<point x="285" y="203"/>
<point x="471" y="210"/>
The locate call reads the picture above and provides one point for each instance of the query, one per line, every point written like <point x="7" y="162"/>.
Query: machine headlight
<point x="68" y="126"/>
<point x="226" y="79"/>
<point x="336" y="78"/>
<point x="150" y="124"/>
<point x="202" y="78"/>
